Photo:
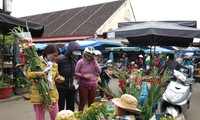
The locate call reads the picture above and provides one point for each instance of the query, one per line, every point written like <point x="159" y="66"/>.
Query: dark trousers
<point x="66" y="97"/>
<point x="86" y="94"/>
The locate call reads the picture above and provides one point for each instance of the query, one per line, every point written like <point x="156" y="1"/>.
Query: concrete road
<point x="16" y="108"/>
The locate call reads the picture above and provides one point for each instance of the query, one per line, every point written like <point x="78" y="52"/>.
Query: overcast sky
<point x="144" y="9"/>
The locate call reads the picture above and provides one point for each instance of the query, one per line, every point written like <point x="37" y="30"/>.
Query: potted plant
<point x="21" y="85"/>
<point x="146" y="89"/>
<point x="5" y="90"/>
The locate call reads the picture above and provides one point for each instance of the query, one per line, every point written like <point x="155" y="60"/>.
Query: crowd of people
<point x="161" y="61"/>
<point x="75" y="64"/>
<point x="83" y="66"/>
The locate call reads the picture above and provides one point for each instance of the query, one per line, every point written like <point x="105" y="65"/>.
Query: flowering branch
<point x="30" y="54"/>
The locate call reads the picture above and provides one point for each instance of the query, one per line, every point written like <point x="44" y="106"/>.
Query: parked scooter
<point x="105" y="74"/>
<point x="105" y="77"/>
<point x="176" y="98"/>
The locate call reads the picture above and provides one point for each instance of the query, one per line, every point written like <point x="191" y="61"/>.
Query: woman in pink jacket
<point x="86" y="69"/>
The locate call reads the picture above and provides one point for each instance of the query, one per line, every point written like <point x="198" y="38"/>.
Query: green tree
<point x="9" y="40"/>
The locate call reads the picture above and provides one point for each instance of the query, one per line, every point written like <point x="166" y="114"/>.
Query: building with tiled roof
<point x="82" y="22"/>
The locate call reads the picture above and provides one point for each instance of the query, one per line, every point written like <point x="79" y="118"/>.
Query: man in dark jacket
<point x="172" y="64"/>
<point x="66" y="66"/>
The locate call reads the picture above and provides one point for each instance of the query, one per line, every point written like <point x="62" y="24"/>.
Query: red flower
<point x="23" y="61"/>
<point x="22" y="55"/>
<point x="136" y="79"/>
<point x="151" y="80"/>
<point x="159" y="81"/>
<point x="108" y="98"/>
<point x="30" y="46"/>
<point x="121" y="84"/>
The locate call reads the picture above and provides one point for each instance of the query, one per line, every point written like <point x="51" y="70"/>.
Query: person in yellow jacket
<point x="47" y="59"/>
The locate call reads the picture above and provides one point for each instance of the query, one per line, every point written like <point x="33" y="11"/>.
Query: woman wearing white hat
<point x="141" y="64"/>
<point x="19" y="71"/>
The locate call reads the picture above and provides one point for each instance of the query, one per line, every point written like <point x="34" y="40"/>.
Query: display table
<point x="7" y="65"/>
<point x="8" y="68"/>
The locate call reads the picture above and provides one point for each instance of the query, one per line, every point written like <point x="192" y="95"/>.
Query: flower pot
<point x="6" y="92"/>
<point x="21" y="90"/>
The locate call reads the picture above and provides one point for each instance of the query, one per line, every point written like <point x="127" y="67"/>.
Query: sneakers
<point x="103" y="100"/>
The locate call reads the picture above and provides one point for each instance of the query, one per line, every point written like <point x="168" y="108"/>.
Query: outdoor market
<point x="142" y="70"/>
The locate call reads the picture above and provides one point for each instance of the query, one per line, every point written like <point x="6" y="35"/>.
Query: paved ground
<point x="16" y="108"/>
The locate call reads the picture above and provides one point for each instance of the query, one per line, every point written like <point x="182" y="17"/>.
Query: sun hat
<point x="76" y="52"/>
<point x="140" y="56"/>
<point x="133" y="62"/>
<point x="127" y="102"/>
<point x="19" y="64"/>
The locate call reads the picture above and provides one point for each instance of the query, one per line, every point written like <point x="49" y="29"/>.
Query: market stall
<point x="8" y="22"/>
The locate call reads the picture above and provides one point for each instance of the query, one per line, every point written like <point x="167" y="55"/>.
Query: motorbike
<point x="105" y="76"/>
<point x="176" y="98"/>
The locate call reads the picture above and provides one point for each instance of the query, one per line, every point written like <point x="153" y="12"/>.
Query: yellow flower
<point x="96" y="110"/>
<point x="101" y="104"/>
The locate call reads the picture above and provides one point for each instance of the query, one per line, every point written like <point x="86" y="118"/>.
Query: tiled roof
<point x="77" y="21"/>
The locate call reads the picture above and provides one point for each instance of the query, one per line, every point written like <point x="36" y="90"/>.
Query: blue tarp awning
<point x="92" y="43"/>
<point x="83" y="44"/>
<point x="111" y="44"/>
<point x="122" y="49"/>
<point x="190" y="49"/>
<point x="158" y="50"/>
<point x="40" y="46"/>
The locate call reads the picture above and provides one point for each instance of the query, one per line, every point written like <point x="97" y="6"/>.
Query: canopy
<point x="83" y="44"/>
<point x="159" y="50"/>
<point x="40" y="46"/>
<point x="111" y="44"/>
<point x="190" y="49"/>
<point x="156" y="33"/>
<point x="92" y="43"/>
<point x="183" y="23"/>
<point x="7" y="22"/>
<point x="122" y="49"/>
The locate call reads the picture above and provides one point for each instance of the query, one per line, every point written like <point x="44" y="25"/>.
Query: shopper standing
<point x="125" y="61"/>
<point x="66" y="67"/>
<point x="86" y="69"/>
<point x="47" y="60"/>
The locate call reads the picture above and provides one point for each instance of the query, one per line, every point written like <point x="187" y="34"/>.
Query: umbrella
<point x="7" y="22"/>
<point x="183" y="23"/>
<point x="154" y="33"/>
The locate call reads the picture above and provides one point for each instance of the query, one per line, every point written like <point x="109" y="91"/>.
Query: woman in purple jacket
<point x="86" y="69"/>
